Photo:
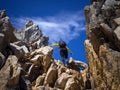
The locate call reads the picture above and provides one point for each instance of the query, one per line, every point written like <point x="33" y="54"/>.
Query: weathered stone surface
<point x="33" y="72"/>
<point x="51" y="76"/>
<point x="117" y="37"/>
<point x="31" y="34"/>
<point x="117" y="33"/>
<point x="1" y="41"/>
<point x="71" y="85"/>
<point x="18" y="51"/>
<point x="102" y="68"/>
<point x="47" y="52"/>
<point x="7" y="28"/>
<point x="77" y="64"/>
<point x="61" y="81"/>
<point x="110" y="69"/>
<point x="61" y="69"/>
<point x="109" y="4"/>
<point x="103" y="44"/>
<point x="107" y="31"/>
<point x="117" y="21"/>
<point x="44" y="88"/>
<point x="37" y="60"/>
<point x="40" y="80"/>
<point x="6" y="33"/>
<point x="2" y="60"/>
<point x="6" y="74"/>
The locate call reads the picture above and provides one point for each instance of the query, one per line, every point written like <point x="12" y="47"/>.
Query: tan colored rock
<point x="72" y="85"/>
<point x="117" y="21"/>
<point x="44" y="88"/>
<point x="77" y="64"/>
<point x="104" y="69"/>
<point x="93" y="61"/>
<point x="61" y="69"/>
<point x="77" y="75"/>
<point x="6" y="74"/>
<point x="46" y="62"/>
<point x="14" y="79"/>
<point x="51" y="76"/>
<point x="37" y="60"/>
<point x="110" y="69"/>
<point x="40" y="80"/>
<point x="15" y="71"/>
<point x="61" y="81"/>
<point x="117" y="32"/>
<point x="44" y="51"/>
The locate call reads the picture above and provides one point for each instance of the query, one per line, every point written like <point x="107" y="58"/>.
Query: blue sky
<point x="58" y="19"/>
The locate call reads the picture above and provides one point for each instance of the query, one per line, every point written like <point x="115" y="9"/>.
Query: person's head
<point x="62" y="43"/>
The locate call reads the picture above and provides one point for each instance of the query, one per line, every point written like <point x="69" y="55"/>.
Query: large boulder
<point x="9" y="74"/>
<point x="6" y="27"/>
<point x="19" y="51"/>
<point x="44" y="57"/>
<point x="51" y="76"/>
<point x="76" y="64"/>
<point x="72" y="84"/>
<point x="61" y="81"/>
<point x="40" y="80"/>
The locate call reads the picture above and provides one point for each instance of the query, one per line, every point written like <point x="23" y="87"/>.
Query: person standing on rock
<point x="63" y="51"/>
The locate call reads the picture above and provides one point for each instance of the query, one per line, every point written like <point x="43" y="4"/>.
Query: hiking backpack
<point x="62" y="44"/>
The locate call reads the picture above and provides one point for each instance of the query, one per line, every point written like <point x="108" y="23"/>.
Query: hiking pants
<point x="64" y="54"/>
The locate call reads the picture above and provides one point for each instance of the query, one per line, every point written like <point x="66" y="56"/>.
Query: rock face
<point x="6" y="31"/>
<point x="26" y="61"/>
<point x="103" y="44"/>
<point x="39" y="70"/>
<point x="31" y="34"/>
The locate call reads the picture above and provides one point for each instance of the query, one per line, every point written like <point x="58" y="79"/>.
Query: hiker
<point x="63" y="51"/>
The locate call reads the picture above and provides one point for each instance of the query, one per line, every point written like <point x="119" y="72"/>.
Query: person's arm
<point x="69" y="50"/>
<point x="55" y="45"/>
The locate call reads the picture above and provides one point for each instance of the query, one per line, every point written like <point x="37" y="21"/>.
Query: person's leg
<point x="66" y="56"/>
<point x="62" y="55"/>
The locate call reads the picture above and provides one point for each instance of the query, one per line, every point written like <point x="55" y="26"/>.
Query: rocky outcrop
<point x="19" y="42"/>
<point x="39" y="70"/>
<point x="32" y="35"/>
<point x="6" y="33"/>
<point x="26" y="63"/>
<point x="103" y="44"/>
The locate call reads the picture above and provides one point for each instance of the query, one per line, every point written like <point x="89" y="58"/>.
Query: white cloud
<point x="66" y="26"/>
